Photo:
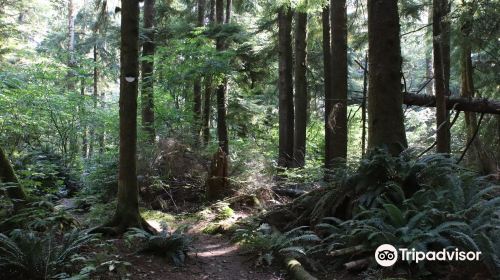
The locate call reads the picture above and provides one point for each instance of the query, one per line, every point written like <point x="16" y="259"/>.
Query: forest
<point x="250" y="139"/>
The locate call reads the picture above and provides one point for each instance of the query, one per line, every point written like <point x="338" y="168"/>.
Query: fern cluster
<point x="34" y="255"/>
<point x="268" y="245"/>
<point x="173" y="245"/>
<point x="37" y="216"/>
<point x="426" y="204"/>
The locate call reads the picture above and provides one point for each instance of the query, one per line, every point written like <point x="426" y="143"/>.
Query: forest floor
<point x="213" y="256"/>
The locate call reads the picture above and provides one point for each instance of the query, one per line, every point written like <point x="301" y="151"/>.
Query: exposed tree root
<point x="117" y="226"/>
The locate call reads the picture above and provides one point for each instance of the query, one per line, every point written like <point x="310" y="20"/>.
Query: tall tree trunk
<point x="211" y="16"/>
<point x="206" y="109"/>
<point x="95" y="97"/>
<point x="71" y="43"/>
<point x="71" y="83"/>
<point x="7" y="176"/>
<point x="301" y="99"/>
<point x="477" y="153"/>
<point x="441" y="51"/>
<point x="385" y="113"/>
<point x="363" y="107"/>
<point x="429" y="73"/>
<point x="83" y="123"/>
<point x="339" y="78"/>
<point x="197" y="82"/>
<point x="127" y="210"/>
<point x="221" y="89"/>
<point x="147" y="89"/>
<point x="229" y="7"/>
<point x="208" y="89"/>
<point x="327" y="69"/>
<point x="286" y="114"/>
<point x="102" y="134"/>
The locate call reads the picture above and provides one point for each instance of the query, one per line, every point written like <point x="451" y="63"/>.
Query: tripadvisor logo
<point x="387" y="255"/>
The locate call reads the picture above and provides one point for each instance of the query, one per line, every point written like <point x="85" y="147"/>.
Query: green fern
<point x="173" y="245"/>
<point x="35" y="255"/>
<point x="267" y="245"/>
<point x="452" y="208"/>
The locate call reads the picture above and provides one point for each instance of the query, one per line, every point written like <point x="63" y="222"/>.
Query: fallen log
<point x="348" y="250"/>
<point x="358" y="264"/>
<point x="478" y="105"/>
<point x="297" y="271"/>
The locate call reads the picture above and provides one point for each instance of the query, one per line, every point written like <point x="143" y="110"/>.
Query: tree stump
<point x="217" y="185"/>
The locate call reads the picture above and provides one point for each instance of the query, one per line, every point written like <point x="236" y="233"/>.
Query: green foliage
<point x="38" y="216"/>
<point x="452" y="208"/>
<point x="33" y="255"/>
<point x="172" y="245"/>
<point x="44" y="172"/>
<point x="101" y="176"/>
<point x="223" y="211"/>
<point x="267" y="245"/>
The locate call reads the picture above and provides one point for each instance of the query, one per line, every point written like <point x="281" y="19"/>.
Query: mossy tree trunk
<point x="477" y="154"/>
<point x="441" y="52"/>
<point x="147" y="89"/>
<point x="198" y="120"/>
<point x="222" y="87"/>
<point x="7" y="176"/>
<point x="385" y="113"/>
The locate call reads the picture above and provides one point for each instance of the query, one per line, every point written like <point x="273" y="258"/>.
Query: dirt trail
<point x="214" y="258"/>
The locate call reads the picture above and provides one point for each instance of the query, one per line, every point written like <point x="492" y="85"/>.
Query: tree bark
<point x="83" y="123"/>
<point x="95" y="97"/>
<point x="206" y="110"/>
<point x="385" y="113"/>
<point x="221" y="89"/>
<point x="71" y="43"/>
<point x="71" y="82"/>
<point x="339" y="79"/>
<point x="197" y="82"/>
<point x="466" y="104"/>
<point x="286" y="114"/>
<point x="301" y="98"/>
<point x="7" y="176"/>
<point x="327" y="71"/>
<point x="207" y="97"/>
<point x="477" y="153"/>
<point x="363" y="107"/>
<point x="211" y="16"/>
<point x="102" y="134"/>
<point x="127" y="210"/>
<point x="229" y="7"/>
<point x="429" y="73"/>
<point x="441" y="51"/>
<point x="147" y="86"/>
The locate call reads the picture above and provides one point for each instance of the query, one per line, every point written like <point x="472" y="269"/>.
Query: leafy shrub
<point x="173" y="245"/>
<point x="102" y="176"/>
<point x="267" y="245"/>
<point x="34" y="255"/>
<point x="38" y="216"/>
<point x="44" y="172"/>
